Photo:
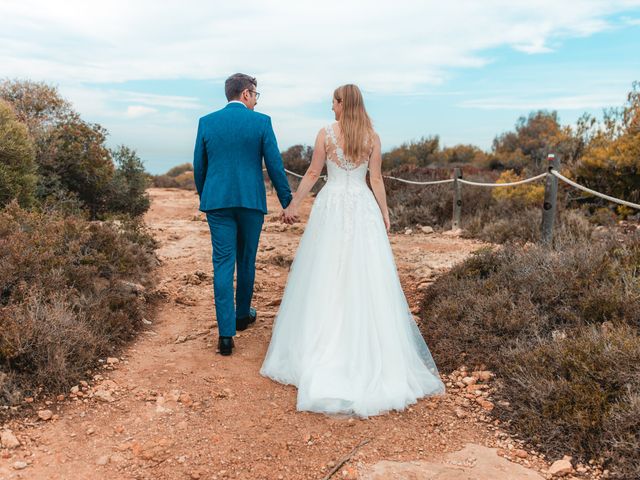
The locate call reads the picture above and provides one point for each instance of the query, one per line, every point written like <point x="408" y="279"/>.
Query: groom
<point x="227" y="168"/>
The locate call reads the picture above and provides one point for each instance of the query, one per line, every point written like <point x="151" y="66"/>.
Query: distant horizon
<point x="464" y="71"/>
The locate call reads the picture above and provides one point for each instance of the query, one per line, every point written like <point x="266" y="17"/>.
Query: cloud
<point x="106" y="56"/>
<point x="391" y="47"/>
<point x="567" y="102"/>
<point x="136" y="111"/>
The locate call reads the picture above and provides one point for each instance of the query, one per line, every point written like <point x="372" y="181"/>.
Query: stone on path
<point x="560" y="468"/>
<point x="473" y="462"/>
<point x="9" y="440"/>
<point x="45" y="414"/>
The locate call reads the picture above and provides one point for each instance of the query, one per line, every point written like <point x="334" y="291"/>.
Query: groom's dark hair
<point x="236" y="83"/>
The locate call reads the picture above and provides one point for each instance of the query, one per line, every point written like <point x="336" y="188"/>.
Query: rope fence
<point x="593" y="192"/>
<point x="550" y="194"/>
<point x="412" y="182"/>
<point x="505" y="184"/>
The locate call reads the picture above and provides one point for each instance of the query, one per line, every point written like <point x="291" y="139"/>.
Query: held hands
<point x="290" y="214"/>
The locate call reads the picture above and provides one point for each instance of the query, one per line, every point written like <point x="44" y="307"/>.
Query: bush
<point x="420" y="153"/>
<point x="180" y="176"/>
<point x="559" y="327"/>
<point x="76" y="159"/>
<point x="129" y="184"/>
<point x="37" y="105"/>
<point x="179" y="170"/>
<point x="72" y="161"/>
<point x="17" y="167"/>
<point x="611" y="161"/>
<point x="68" y="294"/>
<point x="527" y="194"/>
<point x="411" y="205"/>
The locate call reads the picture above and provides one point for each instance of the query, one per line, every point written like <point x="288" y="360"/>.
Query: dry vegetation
<point x="71" y="291"/>
<point x="559" y="328"/>
<point x="75" y="260"/>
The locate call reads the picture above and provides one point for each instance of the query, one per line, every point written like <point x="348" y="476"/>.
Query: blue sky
<point x="463" y="70"/>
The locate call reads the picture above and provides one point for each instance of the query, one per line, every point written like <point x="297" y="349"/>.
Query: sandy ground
<point x="172" y="408"/>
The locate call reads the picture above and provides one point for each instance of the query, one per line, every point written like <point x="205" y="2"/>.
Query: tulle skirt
<point x="344" y="334"/>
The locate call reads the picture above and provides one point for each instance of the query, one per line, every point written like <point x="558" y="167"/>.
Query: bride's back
<point x="339" y="165"/>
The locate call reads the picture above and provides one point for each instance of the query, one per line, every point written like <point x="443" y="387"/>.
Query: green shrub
<point x="129" y="184"/>
<point x="179" y="170"/>
<point x="17" y="167"/>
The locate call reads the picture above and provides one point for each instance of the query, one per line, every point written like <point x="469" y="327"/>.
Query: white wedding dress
<point x="344" y="334"/>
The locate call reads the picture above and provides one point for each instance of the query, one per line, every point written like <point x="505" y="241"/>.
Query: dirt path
<point x="171" y="408"/>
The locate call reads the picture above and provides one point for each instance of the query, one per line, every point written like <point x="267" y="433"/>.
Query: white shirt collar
<point x="238" y="101"/>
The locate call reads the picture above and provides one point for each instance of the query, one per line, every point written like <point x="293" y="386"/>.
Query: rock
<point x="19" y="465"/>
<point x="9" y="440"/>
<point x="460" y="413"/>
<point x="483" y="375"/>
<point x="174" y="395"/>
<point x="130" y="287"/>
<point x="45" y="414"/>
<point x="112" y="360"/>
<point x="103" y="460"/>
<point x="108" y="385"/>
<point x="104" y="396"/>
<point x="181" y="339"/>
<point x="427" y="230"/>
<point x="408" y="231"/>
<point x="186" y="300"/>
<point x="520" y="453"/>
<point x="75" y="389"/>
<point x="485" y="404"/>
<point x="469" y="380"/>
<point x="560" y="468"/>
<point x="350" y="473"/>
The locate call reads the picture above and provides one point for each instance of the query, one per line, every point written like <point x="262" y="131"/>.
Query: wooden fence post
<point x="550" y="199"/>
<point x="457" y="198"/>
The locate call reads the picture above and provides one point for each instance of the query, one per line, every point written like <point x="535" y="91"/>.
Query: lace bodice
<point x="338" y="165"/>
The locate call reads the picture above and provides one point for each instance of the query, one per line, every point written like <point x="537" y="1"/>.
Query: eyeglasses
<point x="256" y="93"/>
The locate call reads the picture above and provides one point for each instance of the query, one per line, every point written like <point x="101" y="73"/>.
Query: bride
<point x="344" y="334"/>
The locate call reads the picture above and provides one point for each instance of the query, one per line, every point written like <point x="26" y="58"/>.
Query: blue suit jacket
<point x="227" y="160"/>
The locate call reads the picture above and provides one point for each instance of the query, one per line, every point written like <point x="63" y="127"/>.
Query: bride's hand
<point x="290" y="214"/>
<point x="387" y="223"/>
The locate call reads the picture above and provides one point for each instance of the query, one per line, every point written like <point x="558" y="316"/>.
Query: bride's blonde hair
<point x="355" y="123"/>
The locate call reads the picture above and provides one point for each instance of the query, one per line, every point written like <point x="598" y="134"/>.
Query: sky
<point x="463" y="70"/>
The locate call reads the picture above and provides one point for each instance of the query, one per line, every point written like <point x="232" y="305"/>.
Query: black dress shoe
<point x="243" y="323"/>
<point x="225" y="345"/>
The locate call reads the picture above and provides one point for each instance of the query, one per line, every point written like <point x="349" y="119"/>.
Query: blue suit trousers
<point x="235" y="233"/>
